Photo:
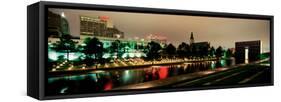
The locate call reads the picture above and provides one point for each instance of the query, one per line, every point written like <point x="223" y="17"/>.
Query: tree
<point x="124" y="47"/>
<point x="66" y="44"/>
<point x="115" y="47"/>
<point x="171" y="50"/>
<point x="153" y="50"/>
<point x="93" y="47"/>
<point x="212" y="51"/>
<point x="228" y="53"/>
<point x="219" y="52"/>
<point x="181" y="50"/>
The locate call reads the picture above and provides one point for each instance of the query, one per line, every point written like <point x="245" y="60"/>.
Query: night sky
<point x="218" y="31"/>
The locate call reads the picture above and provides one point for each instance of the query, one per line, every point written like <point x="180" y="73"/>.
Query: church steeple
<point x="191" y="38"/>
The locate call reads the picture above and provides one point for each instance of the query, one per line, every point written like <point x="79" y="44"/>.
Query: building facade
<point x="57" y="25"/>
<point x="162" y="40"/>
<point x="199" y="48"/>
<point x="100" y="26"/>
<point x="247" y="51"/>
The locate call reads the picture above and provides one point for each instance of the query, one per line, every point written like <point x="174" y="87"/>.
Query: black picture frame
<point x="37" y="45"/>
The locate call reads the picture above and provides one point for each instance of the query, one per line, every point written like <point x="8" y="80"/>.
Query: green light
<point x="213" y="65"/>
<point x="93" y="77"/>
<point x="131" y="55"/>
<point x="126" y="76"/>
<point x="114" y="56"/>
<point x="83" y="44"/>
<point x="73" y="56"/>
<point x="63" y="90"/>
<point x="144" y="55"/>
<point x="138" y="54"/>
<point x="222" y="62"/>
<point x="125" y="55"/>
<point x="106" y="55"/>
<point x="53" y="55"/>
<point x="75" y="77"/>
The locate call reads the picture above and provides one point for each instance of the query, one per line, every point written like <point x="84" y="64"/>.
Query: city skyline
<point x="218" y="31"/>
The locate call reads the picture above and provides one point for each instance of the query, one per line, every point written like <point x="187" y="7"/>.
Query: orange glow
<point x="104" y="18"/>
<point x="163" y="72"/>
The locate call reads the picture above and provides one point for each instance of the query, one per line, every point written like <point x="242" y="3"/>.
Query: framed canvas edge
<point x="43" y="5"/>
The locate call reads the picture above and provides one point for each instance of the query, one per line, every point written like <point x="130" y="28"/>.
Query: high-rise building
<point x="100" y="26"/>
<point x="57" y="25"/>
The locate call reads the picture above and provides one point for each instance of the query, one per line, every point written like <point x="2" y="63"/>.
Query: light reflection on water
<point x="98" y="81"/>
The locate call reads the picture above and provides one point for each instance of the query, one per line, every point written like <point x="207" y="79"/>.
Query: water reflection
<point x="98" y="81"/>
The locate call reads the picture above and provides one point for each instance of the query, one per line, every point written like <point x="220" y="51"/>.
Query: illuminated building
<point x="131" y="43"/>
<point x="100" y="26"/>
<point x="157" y="38"/>
<point x="58" y="26"/>
<point x="103" y="29"/>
